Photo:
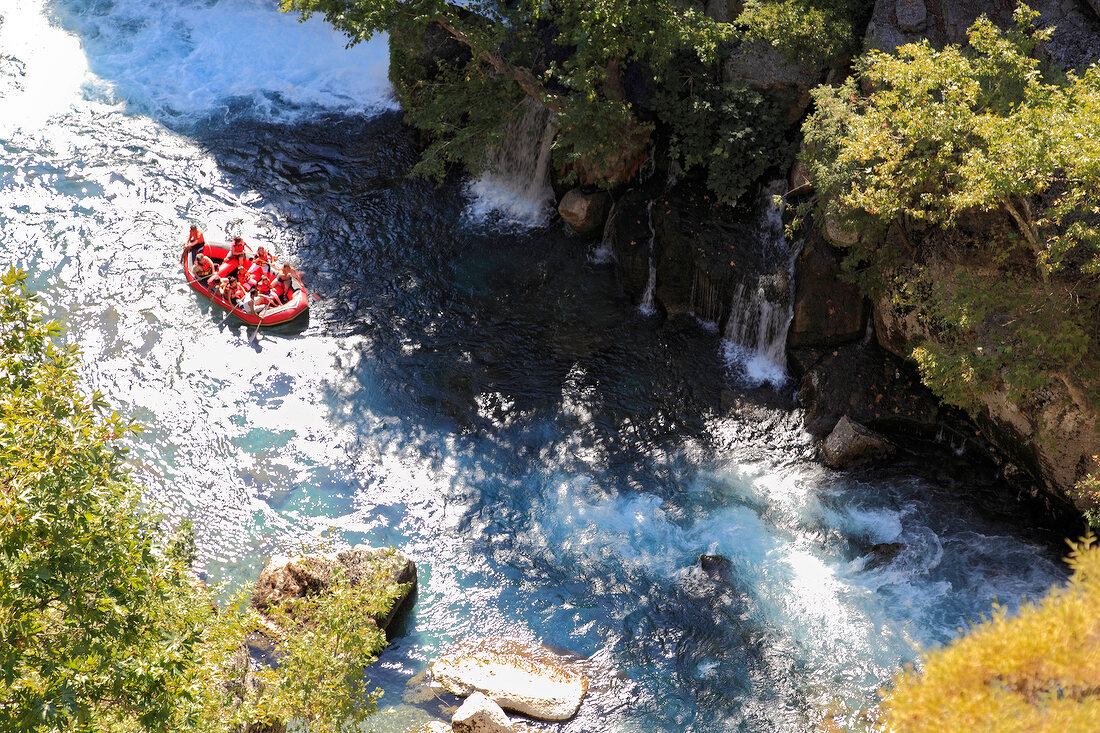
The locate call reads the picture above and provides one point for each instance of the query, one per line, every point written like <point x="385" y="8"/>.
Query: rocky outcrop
<point x="716" y="567"/>
<point x="1050" y="438"/>
<point x="519" y="676"/>
<point x="827" y="309"/>
<point x="584" y="212"/>
<point x="851" y="444"/>
<point x="760" y="64"/>
<point x="479" y="714"/>
<point x="296" y="577"/>
<point x="701" y="250"/>
<point x="1075" y="44"/>
<point x="870" y="386"/>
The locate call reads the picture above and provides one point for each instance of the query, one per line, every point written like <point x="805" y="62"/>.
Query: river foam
<point x="555" y="465"/>
<point x="184" y="61"/>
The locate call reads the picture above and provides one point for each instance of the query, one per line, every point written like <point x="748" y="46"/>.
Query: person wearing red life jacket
<point x="195" y="239"/>
<point x="262" y="297"/>
<point x="248" y="301"/>
<point x="204" y="267"/>
<point x="261" y="265"/>
<point x="237" y="258"/>
<point x="235" y="292"/>
<point x="217" y="286"/>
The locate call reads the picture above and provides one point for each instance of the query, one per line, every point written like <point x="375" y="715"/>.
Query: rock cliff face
<point x="828" y="308"/>
<point x="1050" y="441"/>
<point x="1049" y="437"/>
<point x="1076" y="41"/>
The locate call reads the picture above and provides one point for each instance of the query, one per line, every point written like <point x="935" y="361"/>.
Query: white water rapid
<point x="480" y="396"/>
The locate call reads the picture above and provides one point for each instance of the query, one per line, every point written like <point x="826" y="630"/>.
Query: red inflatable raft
<point x="296" y="306"/>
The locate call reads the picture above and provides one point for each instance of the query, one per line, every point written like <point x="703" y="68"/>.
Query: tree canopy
<point x="932" y="136"/>
<point x="102" y="626"/>
<point x="570" y="56"/>
<point x="1037" y="670"/>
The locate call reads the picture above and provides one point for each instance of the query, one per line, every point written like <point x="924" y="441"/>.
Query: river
<point x="470" y="388"/>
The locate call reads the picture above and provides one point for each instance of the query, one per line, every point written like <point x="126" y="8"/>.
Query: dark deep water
<point x="472" y="391"/>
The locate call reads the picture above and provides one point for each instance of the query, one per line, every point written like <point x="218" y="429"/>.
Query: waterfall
<point x="604" y="253"/>
<point x="762" y="306"/>
<point x="705" y="300"/>
<point x="647" y="306"/>
<point x="516" y="185"/>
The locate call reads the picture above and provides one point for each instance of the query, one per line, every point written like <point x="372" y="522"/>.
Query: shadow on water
<point x="556" y="462"/>
<point x="569" y="442"/>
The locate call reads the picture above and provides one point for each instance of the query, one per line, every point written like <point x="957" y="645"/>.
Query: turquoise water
<point x="473" y="392"/>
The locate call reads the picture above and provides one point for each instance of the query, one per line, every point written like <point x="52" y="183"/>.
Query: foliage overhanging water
<point x="554" y="462"/>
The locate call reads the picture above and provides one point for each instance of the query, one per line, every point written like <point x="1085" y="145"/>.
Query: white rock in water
<point x="479" y="714"/>
<point x="432" y="726"/>
<point x="526" y="678"/>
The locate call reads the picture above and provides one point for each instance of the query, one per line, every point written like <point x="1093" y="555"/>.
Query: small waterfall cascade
<point x="647" y="169"/>
<point x="516" y="185"/>
<point x="762" y="306"/>
<point x="647" y="306"/>
<point x="604" y="252"/>
<point x="706" y="302"/>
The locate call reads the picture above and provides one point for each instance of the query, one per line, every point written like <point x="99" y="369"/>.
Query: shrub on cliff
<point x="934" y="137"/>
<point x="811" y="32"/>
<point x="732" y="131"/>
<point x="1038" y="670"/>
<point x="102" y="628"/>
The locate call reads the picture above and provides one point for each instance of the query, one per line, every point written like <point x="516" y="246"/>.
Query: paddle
<point x="258" y="324"/>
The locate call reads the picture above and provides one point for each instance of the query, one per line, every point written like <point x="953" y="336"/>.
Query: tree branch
<point x="522" y="76"/>
<point x="1027" y="228"/>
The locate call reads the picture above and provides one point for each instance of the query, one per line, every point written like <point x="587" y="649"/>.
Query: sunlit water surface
<point x="473" y="393"/>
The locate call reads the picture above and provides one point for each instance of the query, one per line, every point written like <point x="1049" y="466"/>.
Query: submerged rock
<point x="851" y="444"/>
<point x="432" y="726"/>
<point x="519" y="676"/>
<point x="479" y="714"/>
<point x="883" y="553"/>
<point x="715" y="566"/>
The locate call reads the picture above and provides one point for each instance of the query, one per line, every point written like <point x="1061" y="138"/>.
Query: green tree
<point x="91" y="620"/>
<point x="932" y="137"/>
<point x="568" y="56"/>
<point x="102" y="627"/>
<point x="1037" y="670"/>
<point x="811" y="32"/>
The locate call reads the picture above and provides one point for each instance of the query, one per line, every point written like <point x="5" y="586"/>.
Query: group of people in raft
<point x="250" y="281"/>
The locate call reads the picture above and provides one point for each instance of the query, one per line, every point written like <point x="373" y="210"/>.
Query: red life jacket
<point x="195" y="237"/>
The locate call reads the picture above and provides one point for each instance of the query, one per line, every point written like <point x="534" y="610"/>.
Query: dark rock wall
<point x="1075" y="44"/>
<point x="828" y="308"/>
